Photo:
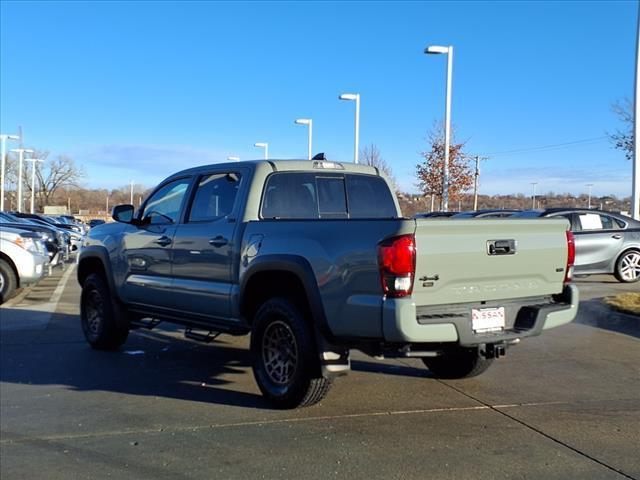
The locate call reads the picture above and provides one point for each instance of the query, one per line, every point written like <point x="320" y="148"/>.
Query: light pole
<point x="233" y="159"/>
<point x="355" y="97"/>
<point x="3" y="143"/>
<point x="438" y="50"/>
<point x="20" y="152"/>
<point x="533" y="197"/>
<point x="475" y="181"/>
<point x="309" y="123"/>
<point x="131" y="195"/>
<point x="33" y="181"/>
<point x="635" y="174"/>
<point x="264" y="145"/>
<point x="589" y="185"/>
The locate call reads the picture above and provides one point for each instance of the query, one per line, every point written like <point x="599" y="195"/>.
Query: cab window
<point x="215" y="197"/>
<point x="164" y="206"/>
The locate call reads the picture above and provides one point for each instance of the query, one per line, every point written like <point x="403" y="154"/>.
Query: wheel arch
<point x="632" y="248"/>
<point x="12" y="265"/>
<point x="282" y="275"/>
<point x="95" y="259"/>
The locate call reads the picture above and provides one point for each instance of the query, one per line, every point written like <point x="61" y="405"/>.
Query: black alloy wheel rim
<point x="279" y="353"/>
<point x="94" y="309"/>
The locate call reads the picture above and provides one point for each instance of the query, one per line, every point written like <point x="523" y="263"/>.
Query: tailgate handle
<point x="501" y="247"/>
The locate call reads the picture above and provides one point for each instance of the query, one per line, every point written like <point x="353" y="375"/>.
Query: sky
<point x="139" y="90"/>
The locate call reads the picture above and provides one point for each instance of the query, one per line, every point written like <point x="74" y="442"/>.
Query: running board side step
<point x="148" y="323"/>
<point x="199" y="336"/>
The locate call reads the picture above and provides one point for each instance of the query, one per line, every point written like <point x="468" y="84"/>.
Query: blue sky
<point x="140" y="90"/>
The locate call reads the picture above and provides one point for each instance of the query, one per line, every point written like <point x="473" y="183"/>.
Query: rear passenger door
<point x="205" y="246"/>
<point x="598" y="241"/>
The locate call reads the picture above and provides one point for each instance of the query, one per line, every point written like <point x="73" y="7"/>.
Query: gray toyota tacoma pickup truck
<point x="314" y="259"/>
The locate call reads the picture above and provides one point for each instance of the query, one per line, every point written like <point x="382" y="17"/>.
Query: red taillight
<point x="397" y="261"/>
<point x="571" y="256"/>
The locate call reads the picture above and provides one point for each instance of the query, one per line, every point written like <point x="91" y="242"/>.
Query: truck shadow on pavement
<point x="150" y="363"/>
<point x="156" y="363"/>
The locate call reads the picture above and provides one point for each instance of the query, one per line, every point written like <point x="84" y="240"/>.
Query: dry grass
<point x="625" y="302"/>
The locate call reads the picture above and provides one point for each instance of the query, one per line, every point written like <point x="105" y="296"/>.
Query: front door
<point x="147" y="247"/>
<point x="204" y="246"/>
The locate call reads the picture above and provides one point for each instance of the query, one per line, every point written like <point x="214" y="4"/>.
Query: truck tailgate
<point x="477" y="260"/>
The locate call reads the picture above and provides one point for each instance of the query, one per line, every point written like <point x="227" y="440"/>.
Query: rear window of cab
<point x="303" y="195"/>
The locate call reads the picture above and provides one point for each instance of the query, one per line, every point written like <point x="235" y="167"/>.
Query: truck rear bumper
<point x="403" y="322"/>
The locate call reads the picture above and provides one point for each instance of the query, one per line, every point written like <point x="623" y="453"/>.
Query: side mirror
<point x="122" y="213"/>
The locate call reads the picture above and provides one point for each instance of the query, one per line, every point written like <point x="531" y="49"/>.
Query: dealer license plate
<point x="487" y="319"/>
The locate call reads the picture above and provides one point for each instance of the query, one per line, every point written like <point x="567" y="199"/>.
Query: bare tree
<point x="623" y="139"/>
<point x="55" y="173"/>
<point x="370" y="155"/>
<point x="429" y="171"/>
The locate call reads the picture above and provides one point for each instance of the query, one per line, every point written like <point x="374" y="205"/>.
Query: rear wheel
<point x="628" y="267"/>
<point x="8" y="281"/>
<point x="99" y="315"/>
<point x="285" y="361"/>
<point x="458" y="363"/>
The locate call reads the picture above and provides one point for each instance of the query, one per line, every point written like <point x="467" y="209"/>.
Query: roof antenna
<point x="319" y="156"/>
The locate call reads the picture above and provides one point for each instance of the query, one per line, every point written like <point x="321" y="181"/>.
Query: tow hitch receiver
<point x="494" y="350"/>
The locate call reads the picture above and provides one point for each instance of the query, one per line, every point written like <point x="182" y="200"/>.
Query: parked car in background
<point x="53" y="240"/>
<point x="95" y="222"/>
<point x="434" y="214"/>
<point x="489" y="213"/>
<point x="606" y="242"/>
<point x="23" y="259"/>
<point x="75" y="232"/>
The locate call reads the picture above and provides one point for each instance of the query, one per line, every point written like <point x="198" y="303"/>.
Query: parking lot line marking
<point x="501" y="410"/>
<point x="57" y="293"/>
<point x="319" y="418"/>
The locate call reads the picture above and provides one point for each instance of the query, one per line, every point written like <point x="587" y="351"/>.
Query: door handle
<point x="616" y="236"/>
<point x="218" y="241"/>
<point x="163" y="241"/>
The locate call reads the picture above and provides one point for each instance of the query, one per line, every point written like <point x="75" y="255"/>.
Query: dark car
<point x="95" y="222"/>
<point x="606" y="242"/>
<point x="434" y="214"/>
<point x="488" y="213"/>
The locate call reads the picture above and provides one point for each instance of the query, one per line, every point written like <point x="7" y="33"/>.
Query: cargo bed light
<point x="321" y="164"/>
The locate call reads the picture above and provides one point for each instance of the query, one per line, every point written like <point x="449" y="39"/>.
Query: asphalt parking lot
<point x="563" y="405"/>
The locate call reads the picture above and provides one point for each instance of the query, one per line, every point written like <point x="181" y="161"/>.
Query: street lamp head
<point x="260" y="144"/>
<point x="303" y="121"/>
<point x="10" y="137"/>
<point x="23" y="150"/>
<point x="436" y="50"/>
<point x="348" y="96"/>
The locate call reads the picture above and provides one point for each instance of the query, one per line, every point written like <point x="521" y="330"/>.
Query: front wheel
<point x="458" y="363"/>
<point x="8" y="281"/>
<point x="285" y="361"/>
<point x="99" y="314"/>
<point x="628" y="267"/>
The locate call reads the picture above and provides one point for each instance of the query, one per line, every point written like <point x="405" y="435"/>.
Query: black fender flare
<point x="93" y="252"/>
<point x="301" y="268"/>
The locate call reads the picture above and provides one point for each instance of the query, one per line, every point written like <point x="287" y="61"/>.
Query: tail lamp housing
<point x="571" y="256"/>
<point x="397" y="263"/>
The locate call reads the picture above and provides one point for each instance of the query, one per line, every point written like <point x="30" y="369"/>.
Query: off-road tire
<point x="8" y="281"/>
<point x="458" y="363"/>
<point x="626" y="257"/>
<point x="99" y="314"/>
<point x="281" y="336"/>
